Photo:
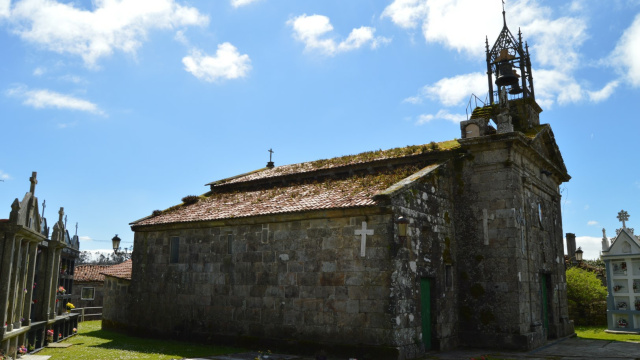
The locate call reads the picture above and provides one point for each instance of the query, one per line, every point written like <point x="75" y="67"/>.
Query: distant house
<point x="116" y="288"/>
<point x="89" y="285"/>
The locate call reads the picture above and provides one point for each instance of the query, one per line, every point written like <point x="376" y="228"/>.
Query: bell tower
<point x="510" y="102"/>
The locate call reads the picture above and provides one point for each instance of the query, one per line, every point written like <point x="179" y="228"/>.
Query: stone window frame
<point x="93" y="293"/>
<point x="174" y="249"/>
<point x="230" y="240"/>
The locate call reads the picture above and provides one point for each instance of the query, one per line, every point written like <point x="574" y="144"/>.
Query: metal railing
<point x="92" y="313"/>
<point x="473" y="103"/>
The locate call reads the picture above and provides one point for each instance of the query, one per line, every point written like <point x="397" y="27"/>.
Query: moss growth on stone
<point x="479" y="258"/>
<point x="447" y="219"/>
<point x="385" y="154"/>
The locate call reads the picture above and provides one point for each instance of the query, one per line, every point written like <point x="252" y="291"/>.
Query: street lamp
<point x="403" y="224"/>
<point x="579" y="254"/>
<point x="116" y="244"/>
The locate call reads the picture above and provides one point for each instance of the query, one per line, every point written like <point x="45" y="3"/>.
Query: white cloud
<point x="113" y="25"/>
<point x="591" y="246"/>
<point x="5" y="6"/>
<point x="41" y="99"/>
<point x="238" y="3"/>
<point x="586" y="207"/>
<point x="406" y="13"/>
<point x="73" y="79"/>
<point x="592" y="222"/>
<point x="85" y="238"/>
<point x="442" y="114"/>
<point x="313" y="30"/>
<point x="556" y="86"/>
<point x="604" y="93"/>
<point x="4" y="175"/>
<point x="626" y="55"/>
<point x="39" y="71"/>
<point x="452" y="91"/>
<point x="226" y="64"/>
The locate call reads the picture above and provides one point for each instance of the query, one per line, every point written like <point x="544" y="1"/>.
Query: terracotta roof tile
<point x="357" y="190"/>
<point x="121" y="271"/>
<point x="89" y="272"/>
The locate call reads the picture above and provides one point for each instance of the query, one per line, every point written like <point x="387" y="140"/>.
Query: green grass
<point x="94" y="343"/>
<point x="598" y="333"/>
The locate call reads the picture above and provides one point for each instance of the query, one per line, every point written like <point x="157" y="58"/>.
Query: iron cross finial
<point x="76" y="229"/>
<point x="270" y="153"/>
<point x="65" y="221"/>
<point x="623" y="216"/>
<point x="44" y="205"/>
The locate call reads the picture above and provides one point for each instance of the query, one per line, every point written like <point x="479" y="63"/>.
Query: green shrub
<point x="586" y="297"/>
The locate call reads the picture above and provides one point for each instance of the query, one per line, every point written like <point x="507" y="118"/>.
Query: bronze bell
<point x="506" y="75"/>
<point x="515" y="89"/>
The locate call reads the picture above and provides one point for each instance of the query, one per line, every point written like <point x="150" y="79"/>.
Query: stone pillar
<point x="571" y="246"/>
<point x="6" y="271"/>
<point x="13" y="283"/>
<point x="47" y="282"/>
<point x="54" y="281"/>
<point x="21" y="285"/>
<point x="33" y="253"/>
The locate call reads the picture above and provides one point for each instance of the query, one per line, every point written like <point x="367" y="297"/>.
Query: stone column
<point x="22" y="283"/>
<point x="31" y="273"/>
<point x="571" y="246"/>
<point x="13" y="284"/>
<point x="6" y="271"/>
<point x="47" y="282"/>
<point x="54" y="281"/>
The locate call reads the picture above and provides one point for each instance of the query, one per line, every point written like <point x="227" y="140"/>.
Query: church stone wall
<point x="428" y="250"/>
<point x="510" y="249"/>
<point x="287" y="278"/>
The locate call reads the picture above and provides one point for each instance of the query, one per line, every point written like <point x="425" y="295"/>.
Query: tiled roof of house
<point x="355" y="190"/>
<point x="89" y="273"/>
<point x="121" y="271"/>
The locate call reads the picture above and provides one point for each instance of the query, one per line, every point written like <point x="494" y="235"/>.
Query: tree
<point x="586" y="297"/>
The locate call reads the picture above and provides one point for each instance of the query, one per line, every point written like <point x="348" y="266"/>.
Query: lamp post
<point x="403" y="224"/>
<point x="579" y="255"/>
<point x="116" y="244"/>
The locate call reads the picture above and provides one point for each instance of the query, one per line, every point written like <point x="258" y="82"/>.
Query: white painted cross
<point x="363" y="240"/>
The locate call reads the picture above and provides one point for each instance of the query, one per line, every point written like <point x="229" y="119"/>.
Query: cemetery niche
<point x="36" y="274"/>
<point x="621" y="256"/>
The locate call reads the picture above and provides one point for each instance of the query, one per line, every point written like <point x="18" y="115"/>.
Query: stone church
<point x="433" y="246"/>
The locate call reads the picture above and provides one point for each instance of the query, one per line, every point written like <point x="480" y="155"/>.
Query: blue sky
<point x="126" y="106"/>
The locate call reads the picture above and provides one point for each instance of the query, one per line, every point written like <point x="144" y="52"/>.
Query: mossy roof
<point x="356" y="190"/>
<point x="338" y="162"/>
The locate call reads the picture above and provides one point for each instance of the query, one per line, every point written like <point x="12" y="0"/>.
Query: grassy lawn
<point x="94" y="343"/>
<point x="597" y="333"/>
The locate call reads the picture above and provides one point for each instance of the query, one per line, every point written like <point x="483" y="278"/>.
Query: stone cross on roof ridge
<point x="623" y="216"/>
<point x="33" y="179"/>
